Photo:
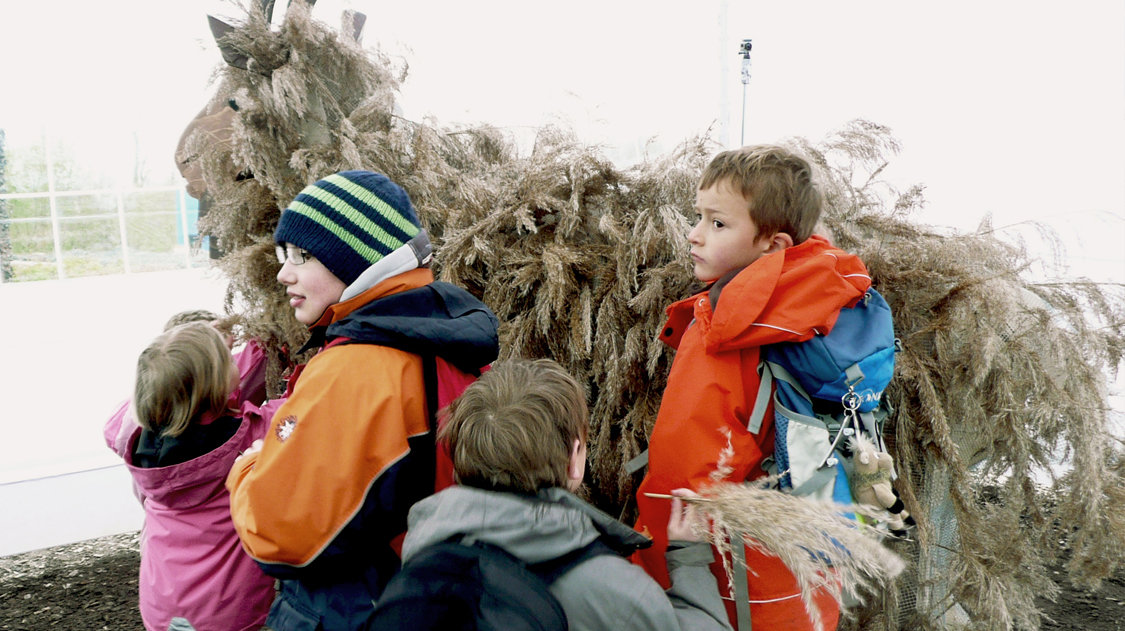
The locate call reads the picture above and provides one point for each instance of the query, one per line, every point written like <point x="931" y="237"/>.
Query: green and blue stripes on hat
<point x="349" y="221"/>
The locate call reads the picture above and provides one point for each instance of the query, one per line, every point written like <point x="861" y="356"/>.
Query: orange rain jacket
<point x="325" y="499"/>
<point x="785" y="296"/>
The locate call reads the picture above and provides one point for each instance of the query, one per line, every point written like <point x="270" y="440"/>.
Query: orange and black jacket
<point x="701" y="431"/>
<point x="343" y="461"/>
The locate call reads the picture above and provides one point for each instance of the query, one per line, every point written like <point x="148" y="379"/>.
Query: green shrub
<point x="31" y="238"/>
<point x="90" y="235"/>
<point x="86" y="265"/>
<point x="27" y="271"/>
<point x="149" y="202"/>
<point x="151" y="233"/>
<point x="86" y="205"/>
<point x="29" y="208"/>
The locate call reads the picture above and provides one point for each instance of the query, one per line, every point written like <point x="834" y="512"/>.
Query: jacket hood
<point x="435" y="319"/>
<point x="774" y="299"/>
<point x="190" y="483"/>
<point x="415" y="253"/>
<point x="534" y="529"/>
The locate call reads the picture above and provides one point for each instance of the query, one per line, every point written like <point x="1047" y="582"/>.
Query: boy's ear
<point x="576" y="469"/>
<point x="779" y="241"/>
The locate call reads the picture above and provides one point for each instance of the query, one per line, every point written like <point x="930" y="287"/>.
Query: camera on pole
<point x="744" y="52"/>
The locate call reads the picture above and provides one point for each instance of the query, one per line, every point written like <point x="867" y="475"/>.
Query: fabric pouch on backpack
<point x="283" y="615"/>
<point x="804" y="434"/>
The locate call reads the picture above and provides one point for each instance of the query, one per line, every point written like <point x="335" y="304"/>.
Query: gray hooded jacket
<point x="603" y="592"/>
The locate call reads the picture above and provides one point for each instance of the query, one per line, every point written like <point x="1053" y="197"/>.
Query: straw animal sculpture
<point x="999" y="376"/>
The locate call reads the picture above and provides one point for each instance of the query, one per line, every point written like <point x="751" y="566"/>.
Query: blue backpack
<point x="828" y="388"/>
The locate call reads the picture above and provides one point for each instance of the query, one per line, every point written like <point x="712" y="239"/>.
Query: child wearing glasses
<point x="321" y="502"/>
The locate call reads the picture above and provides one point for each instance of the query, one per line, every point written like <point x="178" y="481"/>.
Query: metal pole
<point x="742" y="137"/>
<point x="744" y="51"/>
<point x="52" y="202"/>
<point x="182" y="208"/>
<point x="121" y="229"/>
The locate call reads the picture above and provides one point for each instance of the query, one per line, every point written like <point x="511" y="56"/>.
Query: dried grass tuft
<point x="824" y="549"/>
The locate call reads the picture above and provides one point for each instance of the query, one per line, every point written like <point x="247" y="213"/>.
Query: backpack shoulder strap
<point x="769" y="373"/>
<point x="640" y="461"/>
<point x="741" y="583"/>
<point x="430" y="379"/>
<point x="762" y="400"/>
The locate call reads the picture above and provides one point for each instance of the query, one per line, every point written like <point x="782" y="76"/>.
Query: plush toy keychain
<point x="871" y="483"/>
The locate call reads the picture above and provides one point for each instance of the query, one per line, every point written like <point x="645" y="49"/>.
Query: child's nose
<point x="285" y="274"/>
<point x="693" y="234"/>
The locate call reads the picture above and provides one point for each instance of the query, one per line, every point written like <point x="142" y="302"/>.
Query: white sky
<point x="1007" y="108"/>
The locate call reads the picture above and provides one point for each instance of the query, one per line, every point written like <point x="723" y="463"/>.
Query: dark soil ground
<point x="93" y="585"/>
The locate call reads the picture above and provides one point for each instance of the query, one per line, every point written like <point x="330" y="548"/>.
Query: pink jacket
<point x="192" y="562"/>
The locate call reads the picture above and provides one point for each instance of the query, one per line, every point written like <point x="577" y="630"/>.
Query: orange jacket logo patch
<point x="285" y="428"/>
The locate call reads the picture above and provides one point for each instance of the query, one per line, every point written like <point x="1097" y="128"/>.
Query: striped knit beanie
<point x="349" y="221"/>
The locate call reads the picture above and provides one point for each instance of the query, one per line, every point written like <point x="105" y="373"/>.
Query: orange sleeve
<point x="346" y="423"/>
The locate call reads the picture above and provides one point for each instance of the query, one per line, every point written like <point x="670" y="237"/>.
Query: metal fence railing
<point x="63" y="234"/>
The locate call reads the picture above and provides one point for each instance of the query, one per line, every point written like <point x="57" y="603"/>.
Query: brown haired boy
<point x="753" y="244"/>
<point x="517" y="438"/>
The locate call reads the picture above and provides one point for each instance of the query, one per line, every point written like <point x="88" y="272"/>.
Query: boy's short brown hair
<point x="513" y="429"/>
<point x="777" y="183"/>
<point x="185" y="372"/>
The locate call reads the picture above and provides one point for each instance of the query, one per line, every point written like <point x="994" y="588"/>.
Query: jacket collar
<point x="533" y="528"/>
<point x="412" y="279"/>
<point x="779" y="297"/>
<point x="414" y="254"/>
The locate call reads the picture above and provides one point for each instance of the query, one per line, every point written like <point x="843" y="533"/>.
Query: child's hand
<point x="684" y="522"/>
<point x="254" y="448"/>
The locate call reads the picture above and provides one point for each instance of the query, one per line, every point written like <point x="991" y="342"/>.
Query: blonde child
<point x="194" y="573"/>
<point x="770" y="280"/>
<point x="250" y="361"/>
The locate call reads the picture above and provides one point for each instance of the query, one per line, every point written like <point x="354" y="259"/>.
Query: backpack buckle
<point x="853" y="375"/>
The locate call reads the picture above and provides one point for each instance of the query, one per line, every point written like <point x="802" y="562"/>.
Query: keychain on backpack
<point x="851" y="402"/>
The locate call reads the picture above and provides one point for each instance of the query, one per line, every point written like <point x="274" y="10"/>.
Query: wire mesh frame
<point x="52" y="195"/>
<point x="923" y="594"/>
<point x="119" y="215"/>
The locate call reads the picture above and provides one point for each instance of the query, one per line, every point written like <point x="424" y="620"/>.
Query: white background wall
<point x="69" y="352"/>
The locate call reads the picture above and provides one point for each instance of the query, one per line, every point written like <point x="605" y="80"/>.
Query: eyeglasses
<point x="293" y="254"/>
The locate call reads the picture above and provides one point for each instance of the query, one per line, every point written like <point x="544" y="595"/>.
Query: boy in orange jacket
<point x="769" y="280"/>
